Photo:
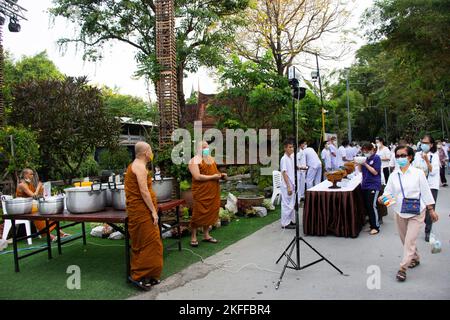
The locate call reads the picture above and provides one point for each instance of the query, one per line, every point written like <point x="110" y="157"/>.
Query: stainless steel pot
<point x="108" y="194"/>
<point x="163" y="189"/>
<point x="85" y="199"/>
<point x="51" y="205"/>
<point x="19" y="205"/>
<point x="118" y="197"/>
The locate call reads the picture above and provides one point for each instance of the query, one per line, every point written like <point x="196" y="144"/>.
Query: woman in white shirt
<point x="326" y="156"/>
<point x="428" y="161"/>
<point x="385" y="154"/>
<point x="408" y="182"/>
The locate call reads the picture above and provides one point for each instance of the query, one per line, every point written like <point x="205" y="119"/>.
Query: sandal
<point x="141" y="284"/>
<point x="194" y="244"/>
<point x="374" y="232"/>
<point x="401" y="275"/>
<point x="154" y="282"/>
<point x="414" y="263"/>
<point x="210" y="240"/>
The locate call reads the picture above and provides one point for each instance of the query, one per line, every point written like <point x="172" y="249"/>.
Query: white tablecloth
<point x="346" y="185"/>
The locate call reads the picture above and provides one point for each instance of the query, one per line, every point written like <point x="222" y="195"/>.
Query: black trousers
<point x="428" y="221"/>
<point x="442" y="172"/>
<point x="370" y="202"/>
<point x="386" y="173"/>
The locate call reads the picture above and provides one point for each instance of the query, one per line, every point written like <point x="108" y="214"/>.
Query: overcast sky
<point x="117" y="67"/>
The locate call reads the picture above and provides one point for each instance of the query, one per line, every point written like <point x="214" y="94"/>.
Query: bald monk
<point x="146" y="244"/>
<point x="26" y="189"/>
<point x="205" y="193"/>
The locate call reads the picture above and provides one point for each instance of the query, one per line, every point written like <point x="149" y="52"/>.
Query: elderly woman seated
<point x="27" y="189"/>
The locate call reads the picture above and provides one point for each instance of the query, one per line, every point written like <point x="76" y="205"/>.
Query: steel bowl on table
<point x="85" y="199"/>
<point x="108" y="194"/>
<point x="51" y="205"/>
<point x="19" y="205"/>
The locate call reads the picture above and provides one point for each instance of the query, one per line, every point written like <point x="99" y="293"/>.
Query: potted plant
<point x="224" y="216"/>
<point x="186" y="193"/>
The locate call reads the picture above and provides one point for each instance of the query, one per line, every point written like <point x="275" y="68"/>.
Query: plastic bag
<point x="97" y="232"/>
<point x="231" y="205"/>
<point x="261" y="211"/>
<point x="3" y="244"/>
<point x="435" y="244"/>
<point x="116" y="235"/>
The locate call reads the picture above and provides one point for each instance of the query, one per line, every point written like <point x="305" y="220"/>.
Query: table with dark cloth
<point x="334" y="211"/>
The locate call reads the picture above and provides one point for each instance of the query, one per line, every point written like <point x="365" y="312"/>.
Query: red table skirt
<point x="339" y="213"/>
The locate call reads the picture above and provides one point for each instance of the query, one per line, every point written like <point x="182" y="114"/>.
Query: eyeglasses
<point x="401" y="155"/>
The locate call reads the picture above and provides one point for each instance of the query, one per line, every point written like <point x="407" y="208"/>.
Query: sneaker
<point x="289" y="226"/>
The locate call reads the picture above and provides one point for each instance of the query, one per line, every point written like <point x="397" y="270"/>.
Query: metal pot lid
<point x="20" y="200"/>
<point x="52" y="199"/>
<point x="119" y="187"/>
<point x="82" y="189"/>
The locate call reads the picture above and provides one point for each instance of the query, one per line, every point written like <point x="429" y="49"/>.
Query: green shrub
<point x="116" y="159"/>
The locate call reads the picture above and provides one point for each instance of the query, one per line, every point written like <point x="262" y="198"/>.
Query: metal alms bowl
<point x="51" y="205"/>
<point x="19" y="205"/>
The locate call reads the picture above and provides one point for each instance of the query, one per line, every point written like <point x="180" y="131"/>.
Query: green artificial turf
<point x="102" y="264"/>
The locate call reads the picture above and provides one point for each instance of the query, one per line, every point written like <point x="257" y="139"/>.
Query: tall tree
<point x="203" y="29"/>
<point x="288" y="27"/>
<point x="70" y="118"/>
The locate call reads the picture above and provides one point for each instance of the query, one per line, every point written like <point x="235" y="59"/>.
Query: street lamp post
<point x="348" y="110"/>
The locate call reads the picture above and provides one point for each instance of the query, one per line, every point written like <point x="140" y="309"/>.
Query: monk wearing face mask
<point x="205" y="192"/>
<point x="26" y="189"/>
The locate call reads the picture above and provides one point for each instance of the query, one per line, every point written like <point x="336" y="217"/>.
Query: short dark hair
<point x="433" y="149"/>
<point x="287" y="142"/>
<point x="367" y="146"/>
<point x="380" y="139"/>
<point x="301" y="141"/>
<point x="409" y="151"/>
<point x="345" y="143"/>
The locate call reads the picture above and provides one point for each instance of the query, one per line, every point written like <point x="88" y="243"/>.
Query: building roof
<point x="127" y="120"/>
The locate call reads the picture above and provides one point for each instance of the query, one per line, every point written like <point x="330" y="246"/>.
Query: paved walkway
<point x="247" y="269"/>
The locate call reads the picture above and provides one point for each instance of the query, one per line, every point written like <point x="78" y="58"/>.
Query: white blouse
<point x="415" y="185"/>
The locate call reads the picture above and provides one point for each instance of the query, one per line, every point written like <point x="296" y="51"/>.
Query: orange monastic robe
<point x="40" y="224"/>
<point x="206" y="195"/>
<point x="146" y="243"/>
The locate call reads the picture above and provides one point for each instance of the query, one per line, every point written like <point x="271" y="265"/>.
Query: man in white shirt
<point x="314" y="174"/>
<point x="287" y="186"/>
<point x="334" y="153"/>
<point x="326" y="156"/>
<point x="349" y="151"/>
<point x="428" y="161"/>
<point x="343" y="152"/>
<point x="301" y="176"/>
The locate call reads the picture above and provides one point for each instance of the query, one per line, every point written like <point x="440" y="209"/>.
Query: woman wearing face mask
<point x="205" y="193"/>
<point x="371" y="185"/>
<point x="428" y="161"/>
<point x="443" y="159"/>
<point x="408" y="182"/>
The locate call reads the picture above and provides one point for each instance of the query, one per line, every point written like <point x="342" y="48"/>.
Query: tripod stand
<point x="295" y="243"/>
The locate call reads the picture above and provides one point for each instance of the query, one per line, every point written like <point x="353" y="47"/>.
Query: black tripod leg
<point x="287" y="248"/>
<point x="321" y="255"/>
<point x="285" y="265"/>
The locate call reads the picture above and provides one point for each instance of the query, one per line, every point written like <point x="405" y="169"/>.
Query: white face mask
<point x="27" y="180"/>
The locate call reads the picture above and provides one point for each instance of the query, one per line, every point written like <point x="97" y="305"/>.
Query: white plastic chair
<point x="276" y="181"/>
<point x="8" y="225"/>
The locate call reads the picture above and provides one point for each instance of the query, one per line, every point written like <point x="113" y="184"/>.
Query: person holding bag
<point x="409" y="187"/>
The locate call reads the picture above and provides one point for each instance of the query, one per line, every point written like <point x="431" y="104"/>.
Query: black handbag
<point x="411" y="206"/>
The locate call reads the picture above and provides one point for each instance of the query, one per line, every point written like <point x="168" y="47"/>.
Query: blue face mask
<point x="425" y="147"/>
<point x="205" y="152"/>
<point x="402" y="162"/>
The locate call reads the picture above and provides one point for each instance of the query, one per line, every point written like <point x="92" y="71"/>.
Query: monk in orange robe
<point x="146" y="243"/>
<point x="205" y="193"/>
<point x="26" y="189"/>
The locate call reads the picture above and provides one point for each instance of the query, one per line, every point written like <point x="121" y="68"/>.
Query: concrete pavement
<point x="247" y="270"/>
